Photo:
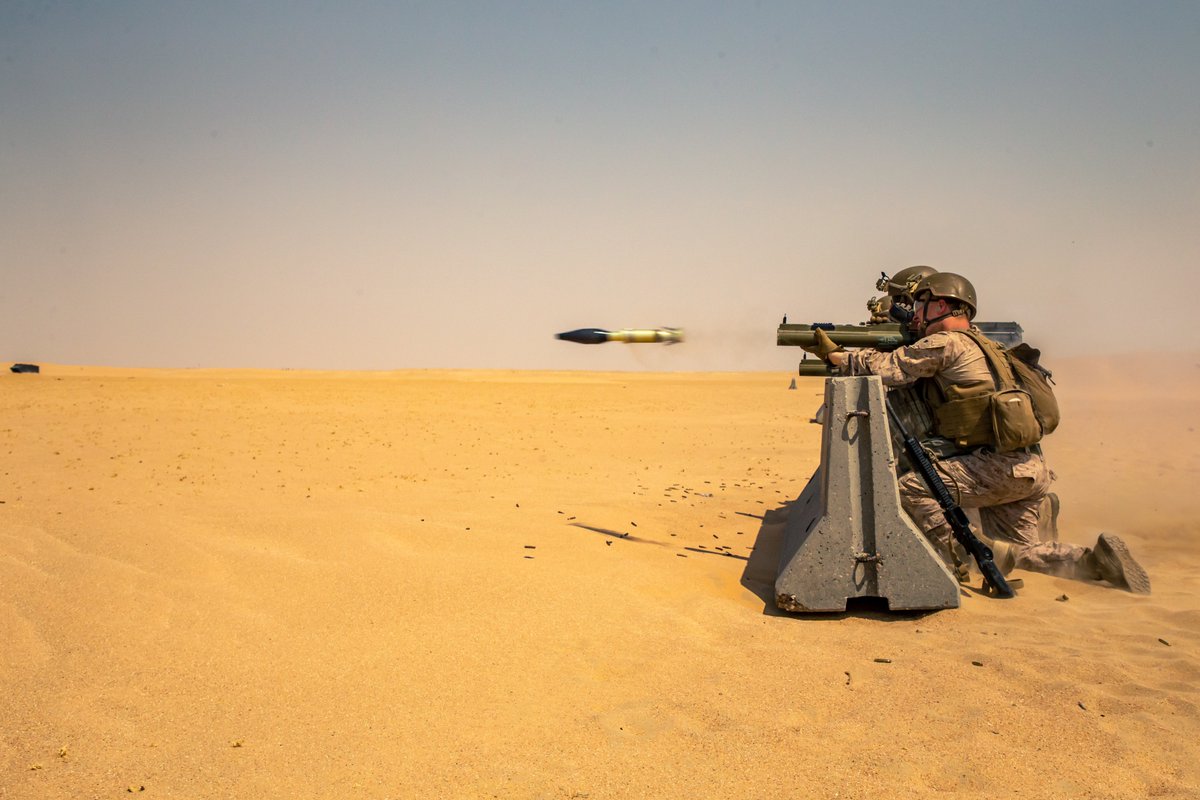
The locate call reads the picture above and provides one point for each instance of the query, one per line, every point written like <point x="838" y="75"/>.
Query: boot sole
<point x="1118" y="567"/>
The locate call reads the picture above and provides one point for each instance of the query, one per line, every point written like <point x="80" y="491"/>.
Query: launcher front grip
<point x="878" y="337"/>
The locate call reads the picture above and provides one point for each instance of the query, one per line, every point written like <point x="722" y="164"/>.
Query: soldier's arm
<point x="901" y="366"/>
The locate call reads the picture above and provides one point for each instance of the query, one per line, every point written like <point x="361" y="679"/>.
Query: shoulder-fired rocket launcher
<point x="627" y="335"/>
<point x="887" y="336"/>
<point x="881" y="336"/>
<point x="884" y="336"/>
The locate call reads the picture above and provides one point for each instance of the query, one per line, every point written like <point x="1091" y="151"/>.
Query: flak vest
<point x="1006" y="405"/>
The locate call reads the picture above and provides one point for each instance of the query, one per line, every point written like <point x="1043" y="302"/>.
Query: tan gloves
<point x="822" y="345"/>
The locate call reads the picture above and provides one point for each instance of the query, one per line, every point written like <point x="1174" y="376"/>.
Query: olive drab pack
<point x="1038" y="381"/>
<point x="1023" y="407"/>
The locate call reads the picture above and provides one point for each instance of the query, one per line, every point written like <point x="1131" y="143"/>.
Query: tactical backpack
<point x="1023" y="407"/>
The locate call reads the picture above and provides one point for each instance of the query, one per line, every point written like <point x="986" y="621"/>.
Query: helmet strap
<point x="960" y="311"/>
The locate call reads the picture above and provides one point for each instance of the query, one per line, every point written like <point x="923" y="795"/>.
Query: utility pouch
<point x="966" y="422"/>
<point x="1016" y="423"/>
<point x="1013" y="420"/>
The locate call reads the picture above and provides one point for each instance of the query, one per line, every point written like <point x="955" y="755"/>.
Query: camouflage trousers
<point x="1008" y="489"/>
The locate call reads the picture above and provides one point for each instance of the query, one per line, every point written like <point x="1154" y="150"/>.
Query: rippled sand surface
<point x="544" y="585"/>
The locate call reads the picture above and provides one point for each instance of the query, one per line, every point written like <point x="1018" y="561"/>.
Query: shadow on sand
<point x="615" y="534"/>
<point x="762" y="567"/>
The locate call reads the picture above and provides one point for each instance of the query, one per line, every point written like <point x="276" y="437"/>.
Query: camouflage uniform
<point x="1008" y="488"/>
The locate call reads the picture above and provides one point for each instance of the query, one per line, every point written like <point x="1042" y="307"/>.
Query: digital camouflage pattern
<point x="949" y="357"/>
<point x="1009" y="489"/>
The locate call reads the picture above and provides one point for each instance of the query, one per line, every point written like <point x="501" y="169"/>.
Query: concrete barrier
<point x="846" y="535"/>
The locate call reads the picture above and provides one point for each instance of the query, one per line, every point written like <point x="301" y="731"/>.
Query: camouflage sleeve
<point x="902" y="366"/>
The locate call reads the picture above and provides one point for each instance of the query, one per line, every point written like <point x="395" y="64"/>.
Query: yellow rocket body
<point x="646" y="335"/>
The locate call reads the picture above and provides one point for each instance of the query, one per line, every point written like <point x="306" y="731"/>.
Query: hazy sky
<point x="389" y="184"/>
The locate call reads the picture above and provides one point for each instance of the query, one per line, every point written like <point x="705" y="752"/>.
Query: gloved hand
<point x="822" y="345"/>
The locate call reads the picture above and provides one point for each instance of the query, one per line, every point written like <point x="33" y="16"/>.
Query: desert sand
<point x="545" y="585"/>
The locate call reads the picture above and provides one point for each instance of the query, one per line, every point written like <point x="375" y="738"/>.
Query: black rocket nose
<point x="584" y="336"/>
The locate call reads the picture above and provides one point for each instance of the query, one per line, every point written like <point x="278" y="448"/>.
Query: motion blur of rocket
<point x="628" y="335"/>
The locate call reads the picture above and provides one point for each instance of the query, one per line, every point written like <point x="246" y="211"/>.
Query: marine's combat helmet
<point x="948" y="286"/>
<point x="896" y="303"/>
<point x="902" y="282"/>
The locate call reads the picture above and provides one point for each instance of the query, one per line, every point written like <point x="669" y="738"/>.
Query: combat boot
<point x="1004" y="553"/>
<point x="1110" y="560"/>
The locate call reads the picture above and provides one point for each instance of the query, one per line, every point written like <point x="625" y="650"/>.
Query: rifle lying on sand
<point x="993" y="578"/>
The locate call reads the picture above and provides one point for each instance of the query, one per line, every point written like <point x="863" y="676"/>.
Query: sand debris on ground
<point x="236" y="583"/>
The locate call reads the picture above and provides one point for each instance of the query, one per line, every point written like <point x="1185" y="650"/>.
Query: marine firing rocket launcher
<point x="847" y="537"/>
<point x="881" y="336"/>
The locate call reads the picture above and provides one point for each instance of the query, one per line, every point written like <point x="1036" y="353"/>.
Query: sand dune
<point x="507" y="584"/>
